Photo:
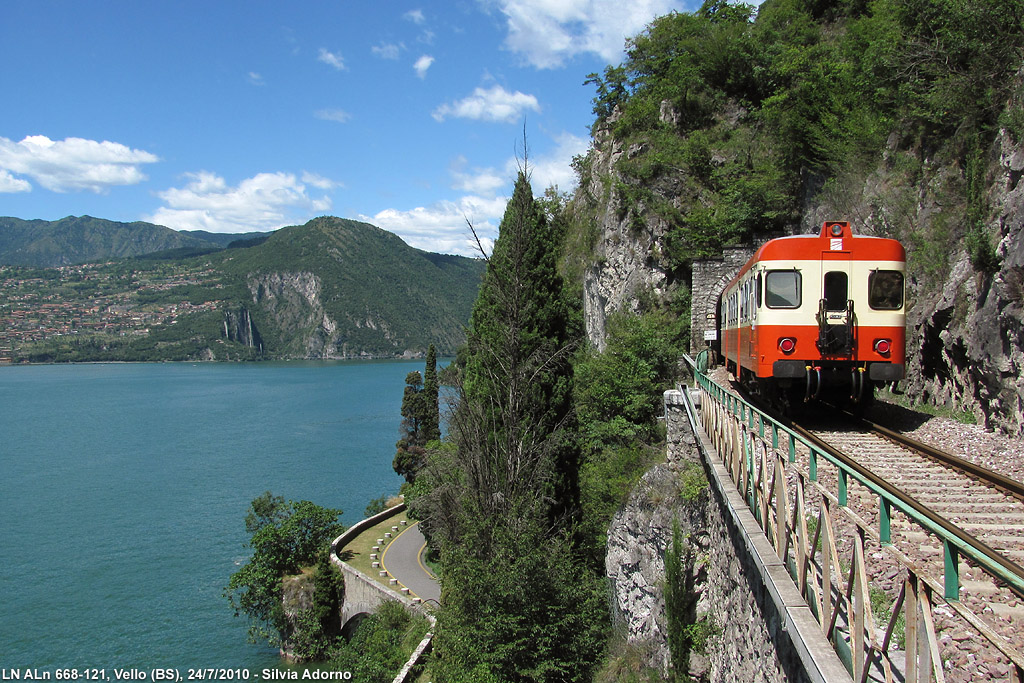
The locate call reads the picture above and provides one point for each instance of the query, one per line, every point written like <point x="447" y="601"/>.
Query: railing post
<point x="843" y="495"/>
<point x="884" y="521"/>
<point x="952" y="571"/>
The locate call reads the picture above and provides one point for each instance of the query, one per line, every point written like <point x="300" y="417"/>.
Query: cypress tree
<point x="519" y="603"/>
<point x="516" y="410"/>
<point x="409" y="452"/>
<point x="430" y="420"/>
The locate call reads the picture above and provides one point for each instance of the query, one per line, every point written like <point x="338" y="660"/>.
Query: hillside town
<point x="37" y="305"/>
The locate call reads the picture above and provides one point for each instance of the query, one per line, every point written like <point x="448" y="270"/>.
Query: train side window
<point x="885" y="290"/>
<point x="836" y="290"/>
<point x="759" y="296"/>
<point x="782" y="289"/>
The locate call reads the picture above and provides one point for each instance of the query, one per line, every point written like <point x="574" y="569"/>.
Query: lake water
<point x="123" y="492"/>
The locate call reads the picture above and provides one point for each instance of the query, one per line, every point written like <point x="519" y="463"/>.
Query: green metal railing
<point x="761" y="454"/>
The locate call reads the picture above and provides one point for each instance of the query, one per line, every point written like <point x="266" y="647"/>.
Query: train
<point x="817" y="317"/>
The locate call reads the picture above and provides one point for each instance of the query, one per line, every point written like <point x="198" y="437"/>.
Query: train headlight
<point x="787" y="345"/>
<point x="883" y="346"/>
<point x="836" y="229"/>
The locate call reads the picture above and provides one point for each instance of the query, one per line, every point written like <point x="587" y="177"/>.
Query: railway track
<point x="983" y="508"/>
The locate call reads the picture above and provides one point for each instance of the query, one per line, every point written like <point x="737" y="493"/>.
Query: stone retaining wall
<point x="766" y="630"/>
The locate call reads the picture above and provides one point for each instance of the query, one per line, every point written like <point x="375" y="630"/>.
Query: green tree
<point x="515" y="417"/>
<point x="409" y="451"/>
<point x="431" y="418"/>
<point x="420" y="419"/>
<point x="519" y="604"/>
<point x="285" y="536"/>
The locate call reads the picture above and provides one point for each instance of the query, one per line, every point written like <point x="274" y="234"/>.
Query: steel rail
<point x="991" y="554"/>
<point x="1011" y="486"/>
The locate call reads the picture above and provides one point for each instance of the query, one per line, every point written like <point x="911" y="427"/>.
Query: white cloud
<point x="442" y="227"/>
<point x="422" y="64"/>
<point x="415" y="16"/>
<point x="494" y="104"/>
<point x="264" y="202"/>
<point x="387" y="50"/>
<point x="547" y="32"/>
<point x="318" y="181"/>
<point x="9" y="183"/>
<point x="555" y="167"/>
<point x="332" y="59"/>
<point x="336" y="115"/>
<point x="256" y="79"/>
<point x="71" y="164"/>
<point x="477" y="181"/>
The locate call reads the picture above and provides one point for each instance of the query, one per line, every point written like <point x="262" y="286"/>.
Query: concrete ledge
<point x="360" y="526"/>
<point x="819" y="659"/>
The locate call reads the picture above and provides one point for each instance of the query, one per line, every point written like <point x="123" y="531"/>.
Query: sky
<point x="234" y="116"/>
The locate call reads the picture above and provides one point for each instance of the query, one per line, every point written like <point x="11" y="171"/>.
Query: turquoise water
<point x="123" y="490"/>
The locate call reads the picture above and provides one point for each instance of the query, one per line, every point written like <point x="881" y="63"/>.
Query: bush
<point x="285" y="537"/>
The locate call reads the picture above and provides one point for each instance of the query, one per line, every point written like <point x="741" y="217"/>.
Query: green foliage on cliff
<point x="735" y="119"/>
<point x="618" y="400"/>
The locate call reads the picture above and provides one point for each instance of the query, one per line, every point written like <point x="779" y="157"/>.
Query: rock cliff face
<point x="638" y="536"/>
<point x="971" y="333"/>
<point x="292" y="301"/>
<point x="629" y="260"/>
<point x="239" y="327"/>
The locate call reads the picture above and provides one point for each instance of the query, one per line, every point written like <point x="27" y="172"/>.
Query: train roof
<point x="835" y="240"/>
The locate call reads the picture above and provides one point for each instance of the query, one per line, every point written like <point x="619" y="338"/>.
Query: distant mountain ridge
<point x="84" y="239"/>
<point x="330" y="289"/>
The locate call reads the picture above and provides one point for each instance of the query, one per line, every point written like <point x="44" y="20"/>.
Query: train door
<point x="754" y="294"/>
<point x="835" y="316"/>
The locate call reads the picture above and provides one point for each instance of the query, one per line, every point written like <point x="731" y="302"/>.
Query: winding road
<point x="402" y="559"/>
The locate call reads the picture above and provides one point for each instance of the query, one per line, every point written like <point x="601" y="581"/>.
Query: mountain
<point x="336" y="288"/>
<point x="331" y="288"/>
<point x="82" y="239"/>
<point x="226" y="239"/>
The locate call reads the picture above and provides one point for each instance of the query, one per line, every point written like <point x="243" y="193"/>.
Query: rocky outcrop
<point x="641" y="532"/>
<point x="629" y="258"/>
<point x="638" y="536"/>
<point x="293" y="303"/>
<point x="971" y="333"/>
<point x="297" y="597"/>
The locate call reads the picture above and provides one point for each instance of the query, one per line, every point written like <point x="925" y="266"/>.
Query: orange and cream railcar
<point x="811" y="313"/>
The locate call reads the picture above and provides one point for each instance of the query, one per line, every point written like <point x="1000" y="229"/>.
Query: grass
<point x="357" y="552"/>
